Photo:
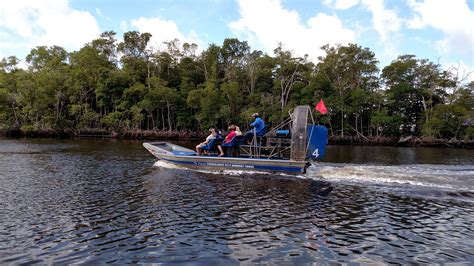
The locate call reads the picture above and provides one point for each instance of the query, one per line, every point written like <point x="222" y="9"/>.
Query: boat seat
<point x="282" y="133"/>
<point x="211" y="147"/>
<point x="234" y="144"/>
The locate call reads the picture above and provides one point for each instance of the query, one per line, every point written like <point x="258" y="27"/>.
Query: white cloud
<point x="123" y="26"/>
<point x="341" y="4"/>
<point x="388" y="25"/>
<point x="265" y="23"/>
<point x="100" y="14"/>
<point x="49" y="22"/>
<point x="454" y="18"/>
<point x="163" y="31"/>
<point x="385" y="22"/>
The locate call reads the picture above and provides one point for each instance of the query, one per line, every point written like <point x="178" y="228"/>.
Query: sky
<point x="441" y="31"/>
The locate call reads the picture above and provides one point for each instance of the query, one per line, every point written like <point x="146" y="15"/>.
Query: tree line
<point x="131" y="85"/>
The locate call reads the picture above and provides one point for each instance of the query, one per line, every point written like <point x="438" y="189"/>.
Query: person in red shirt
<point x="228" y="138"/>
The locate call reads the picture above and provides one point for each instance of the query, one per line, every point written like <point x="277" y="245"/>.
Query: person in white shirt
<point x="212" y="135"/>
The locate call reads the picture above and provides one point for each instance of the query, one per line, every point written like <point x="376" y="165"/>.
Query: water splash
<point x="451" y="177"/>
<point x="168" y="165"/>
<point x="446" y="177"/>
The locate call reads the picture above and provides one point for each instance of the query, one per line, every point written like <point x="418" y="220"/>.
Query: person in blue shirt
<point x="258" y="127"/>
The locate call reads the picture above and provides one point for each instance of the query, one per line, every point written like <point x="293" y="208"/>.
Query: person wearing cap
<point x="258" y="127"/>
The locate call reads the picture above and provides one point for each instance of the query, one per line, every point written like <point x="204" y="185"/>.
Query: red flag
<point x="321" y="107"/>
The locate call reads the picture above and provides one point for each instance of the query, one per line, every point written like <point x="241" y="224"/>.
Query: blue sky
<point x="441" y="31"/>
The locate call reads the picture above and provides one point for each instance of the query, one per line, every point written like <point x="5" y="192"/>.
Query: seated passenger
<point x="258" y="128"/>
<point x="212" y="135"/>
<point x="228" y="138"/>
<point x="237" y="131"/>
<point x="218" y="134"/>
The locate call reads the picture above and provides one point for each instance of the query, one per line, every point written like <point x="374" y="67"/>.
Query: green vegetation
<point x="113" y="86"/>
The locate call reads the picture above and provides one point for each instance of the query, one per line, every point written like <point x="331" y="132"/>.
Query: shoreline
<point x="404" y="141"/>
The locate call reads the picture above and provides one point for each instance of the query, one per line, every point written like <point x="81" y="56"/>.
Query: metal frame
<point x="255" y="148"/>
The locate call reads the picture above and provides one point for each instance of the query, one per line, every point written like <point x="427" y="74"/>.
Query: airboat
<point x="289" y="147"/>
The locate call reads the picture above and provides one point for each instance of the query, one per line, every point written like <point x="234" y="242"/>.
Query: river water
<point x="108" y="201"/>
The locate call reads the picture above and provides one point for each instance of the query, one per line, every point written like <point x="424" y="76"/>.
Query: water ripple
<point x="104" y="202"/>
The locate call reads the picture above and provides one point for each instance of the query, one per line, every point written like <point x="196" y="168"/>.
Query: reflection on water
<point x="93" y="201"/>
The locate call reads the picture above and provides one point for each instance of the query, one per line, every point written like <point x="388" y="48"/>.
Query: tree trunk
<point x="148" y="72"/>
<point x="423" y="101"/>
<point x="286" y="88"/>
<point x="342" y="123"/>
<point x="357" y="122"/>
<point x="14" y="114"/>
<point x="206" y="76"/>
<point x="252" y="77"/>
<point x="169" y="116"/>
<point x="163" y="118"/>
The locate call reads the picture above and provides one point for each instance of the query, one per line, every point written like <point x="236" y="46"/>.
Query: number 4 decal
<point x="316" y="153"/>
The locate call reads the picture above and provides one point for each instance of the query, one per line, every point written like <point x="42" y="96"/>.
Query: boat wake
<point x="408" y="178"/>
<point x="167" y="165"/>
<point x="426" y="179"/>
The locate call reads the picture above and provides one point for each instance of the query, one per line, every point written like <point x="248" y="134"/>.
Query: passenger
<point x="212" y="135"/>
<point x="258" y="128"/>
<point x="228" y="139"/>
<point x="237" y="131"/>
<point x="218" y="134"/>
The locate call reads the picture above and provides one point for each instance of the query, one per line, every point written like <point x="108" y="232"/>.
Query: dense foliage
<point x="128" y="85"/>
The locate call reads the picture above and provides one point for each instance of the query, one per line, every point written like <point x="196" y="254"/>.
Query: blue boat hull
<point x="181" y="156"/>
